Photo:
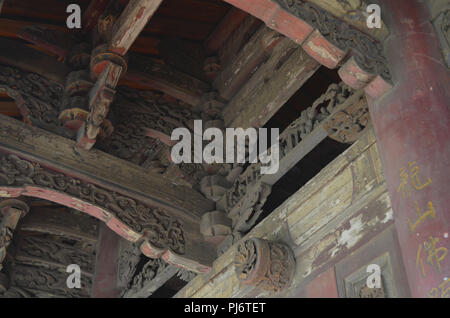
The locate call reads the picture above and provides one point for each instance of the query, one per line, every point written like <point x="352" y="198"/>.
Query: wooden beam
<point x="54" y="41"/>
<point x="224" y="30"/>
<point x="137" y="204"/>
<point x="148" y="73"/>
<point x="31" y="60"/>
<point x="92" y="14"/>
<point x="9" y="109"/>
<point x="106" y="265"/>
<point x="352" y="12"/>
<point x="130" y="24"/>
<point x="287" y="69"/>
<point x="245" y="62"/>
<point x="98" y="167"/>
<point x="124" y="32"/>
<point x="309" y="22"/>
<point x="9" y="28"/>
<point x="59" y="221"/>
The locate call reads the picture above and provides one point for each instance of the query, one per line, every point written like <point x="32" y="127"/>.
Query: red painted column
<point x="412" y="125"/>
<point x="106" y="266"/>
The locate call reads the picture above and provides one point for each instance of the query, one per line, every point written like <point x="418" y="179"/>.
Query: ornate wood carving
<point x="442" y="26"/>
<point x="264" y="264"/>
<point x="349" y="120"/>
<point x="115" y="174"/>
<point x="38" y="98"/>
<point x="41" y="282"/>
<point x="53" y="252"/>
<point x="129" y="257"/>
<point x="367" y="51"/>
<point x="11" y="211"/>
<point x="153" y="274"/>
<point x="134" y="218"/>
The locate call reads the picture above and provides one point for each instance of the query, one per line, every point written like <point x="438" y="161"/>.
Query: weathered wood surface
<point x="130" y="24"/>
<point x="240" y="36"/>
<point x="106" y="264"/>
<point x="52" y="251"/>
<point x="59" y="153"/>
<point x="223" y="31"/>
<point x="287" y="69"/>
<point x="148" y="73"/>
<point x="59" y="221"/>
<point x="148" y="285"/>
<point x="323" y="222"/>
<point x="234" y="74"/>
<point x="44" y="283"/>
<point x="92" y="14"/>
<point x="116" y="192"/>
<point x="354" y="13"/>
<point x="309" y="25"/>
<point x="185" y="56"/>
<point x="31" y="60"/>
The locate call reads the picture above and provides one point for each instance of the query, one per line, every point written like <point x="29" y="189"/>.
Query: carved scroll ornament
<point x="264" y="264"/>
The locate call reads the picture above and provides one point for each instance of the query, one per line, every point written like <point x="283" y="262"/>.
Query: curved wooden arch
<point x="161" y="235"/>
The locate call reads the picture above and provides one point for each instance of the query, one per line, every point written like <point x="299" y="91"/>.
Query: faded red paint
<point x="412" y="125"/>
<point x="323" y="51"/>
<point x="377" y="87"/>
<point x="353" y="75"/>
<point x="323" y="286"/>
<point x="66" y="200"/>
<point x="106" y="265"/>
<point x="290" y="26"/>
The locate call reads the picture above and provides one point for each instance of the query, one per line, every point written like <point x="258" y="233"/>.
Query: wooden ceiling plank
<point x="147" y="73"/>
<point x="271" y="86"/>
<point x="28" y="59"/>
<point x="225" y="28"/>
<point x="59" y="221"/>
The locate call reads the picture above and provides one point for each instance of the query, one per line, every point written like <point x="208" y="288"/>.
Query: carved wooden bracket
<point x="264" y="264"/>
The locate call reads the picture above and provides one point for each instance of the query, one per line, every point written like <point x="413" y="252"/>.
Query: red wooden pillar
<point x="106" y="266"/>
<point x="412" y="125"/>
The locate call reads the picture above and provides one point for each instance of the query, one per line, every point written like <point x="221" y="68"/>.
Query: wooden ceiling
<point x="190" y="20"/>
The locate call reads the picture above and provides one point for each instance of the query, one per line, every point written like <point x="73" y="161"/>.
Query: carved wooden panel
<point x="53" y="251"/>
<point x="41" y="282"/>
